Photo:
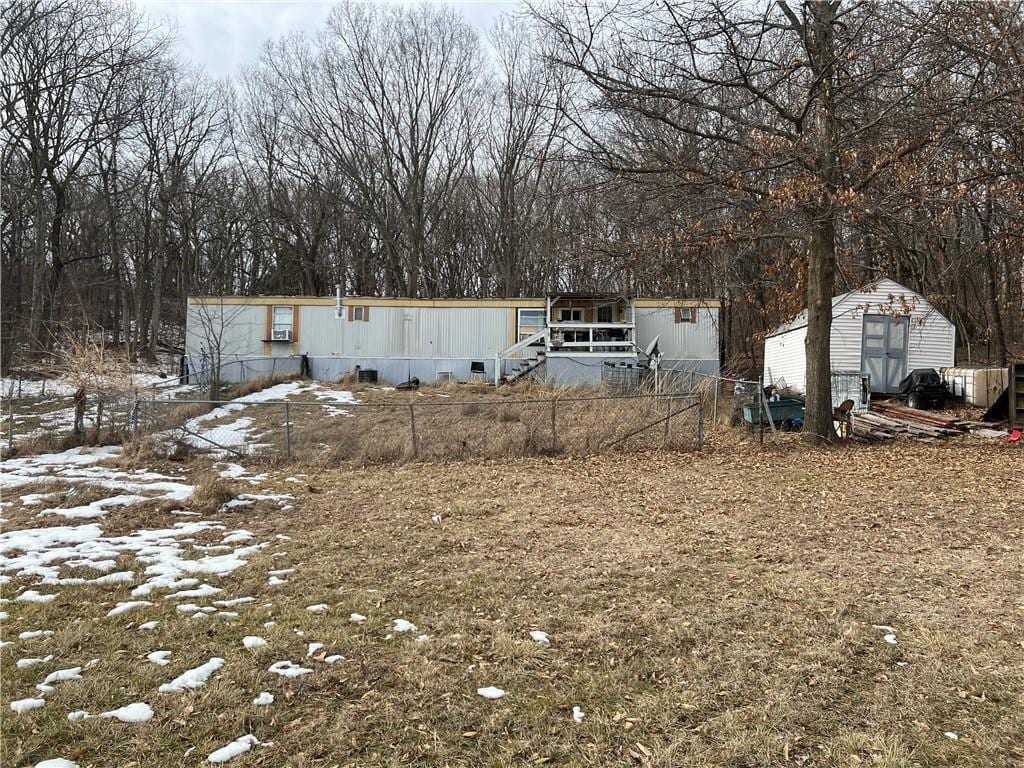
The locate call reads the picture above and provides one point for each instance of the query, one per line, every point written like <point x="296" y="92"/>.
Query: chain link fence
<point x="421" y="428"/>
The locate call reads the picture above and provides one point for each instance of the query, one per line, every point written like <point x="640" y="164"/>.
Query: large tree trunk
<point x="821" y="256"/>
<point x="821" y="262"/>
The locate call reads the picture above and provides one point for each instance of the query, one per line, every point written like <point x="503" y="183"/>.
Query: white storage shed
<point x="883" y="329"/>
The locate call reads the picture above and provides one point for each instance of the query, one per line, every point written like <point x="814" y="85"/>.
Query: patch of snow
<point x="34" y="633"/>
<point x="204" y="590"/>
<point x="139" y="712"/>
<point x="263" y="700"/>
<point x="274" y="581"/>
<point x="318" y="608"/>
<point x="578" y="714"/>
<point x="334" y="659"/>
<point x="281" y="571"/>
<point x="422" y="639"/>
<point x="288" y="669"/>
<point x="149" y="625"/>
<point x="56" y="762"/>
<point x="890" y="639"/>
<point x="490" y="692"/>
<point x="237" y="747"/>
<point x="252" y="641"/>
<point x="78" y="714"/>
<point x="63" y="675"/>
<point x="951" y="735"/>
<point x="193" y="678"/>
<point x="237" y="537"/>
<point x="401" y="625"/>
<point x="26" y="663"/>
<point x="313" y="648"/>
<point x="31" y="596"/>
<point x="159" y="658"/>
<point x="130" y="605"/>
<point x="541" y="638"/>
<point x="25" y="705"/>
<point x="357" y="618"/>
<point x="234" y="601"/>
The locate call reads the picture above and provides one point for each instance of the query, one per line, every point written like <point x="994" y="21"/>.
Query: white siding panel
<point x="785" y="360"/>
<point x="679" y="341"/>
<point x="429" y="332"/>
<point x="931" y="338"/>
<point x="930" y="344"/>
<point x="237" y="329"/>
<point x="319" y="331"/>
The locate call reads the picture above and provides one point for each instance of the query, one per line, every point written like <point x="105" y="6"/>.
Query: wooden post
<point x="554" y="431"/>
<point x="412" y="430"/>
<point x="668" y="421"/>
<point x="288" y="430"/>
<point x="700" y="425"/>
<point x="714" y="406"/>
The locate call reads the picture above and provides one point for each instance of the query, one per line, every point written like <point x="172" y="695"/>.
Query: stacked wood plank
<point x="888" y="420"/>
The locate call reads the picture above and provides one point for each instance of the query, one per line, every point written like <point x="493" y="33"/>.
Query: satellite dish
<point x="652" y="350"/>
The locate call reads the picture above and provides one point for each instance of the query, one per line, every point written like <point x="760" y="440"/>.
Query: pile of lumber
<point x="887" y="420"/>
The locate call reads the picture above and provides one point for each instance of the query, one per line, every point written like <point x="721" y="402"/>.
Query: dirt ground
<point x="843" y="607"/>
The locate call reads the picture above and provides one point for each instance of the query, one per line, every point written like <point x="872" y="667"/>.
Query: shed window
<point x="530" y="321"/>
<point x="686" y="314"/>
<point x="606" y="314"/>
<point x="570" y="315"/>
<point x="284" y="319"/>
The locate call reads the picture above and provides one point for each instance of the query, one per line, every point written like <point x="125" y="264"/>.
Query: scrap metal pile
<point x="887" y="420"/>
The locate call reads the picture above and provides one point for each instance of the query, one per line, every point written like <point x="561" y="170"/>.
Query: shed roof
<point x="800" y="321"/>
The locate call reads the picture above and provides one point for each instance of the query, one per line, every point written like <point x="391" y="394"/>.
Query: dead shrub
<point x="212" y="492"/>
<point x="509" y="413"/>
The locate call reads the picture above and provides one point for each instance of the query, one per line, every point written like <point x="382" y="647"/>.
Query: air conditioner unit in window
<point x="281" y="334"/>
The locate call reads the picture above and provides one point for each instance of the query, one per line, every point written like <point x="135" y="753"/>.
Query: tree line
<point x="771" y="154"/>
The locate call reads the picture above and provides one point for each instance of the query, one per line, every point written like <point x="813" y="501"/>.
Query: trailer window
<point x="284" y="318"/>
<point x="530" y="321"/>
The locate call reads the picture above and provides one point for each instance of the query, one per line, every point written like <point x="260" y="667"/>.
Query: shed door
<point x="884" y="351"/>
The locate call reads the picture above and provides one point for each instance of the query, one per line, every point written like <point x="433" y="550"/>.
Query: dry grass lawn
<point x="704" y="610"/>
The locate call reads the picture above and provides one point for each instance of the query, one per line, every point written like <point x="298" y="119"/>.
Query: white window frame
<point x="523" y="330"/>
<point x="280" y="325"/>
<point x="358" y="314"/>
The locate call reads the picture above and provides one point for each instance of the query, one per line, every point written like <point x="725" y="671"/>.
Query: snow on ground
<point x="191" y="679"/>
<point x="234" y="749"/>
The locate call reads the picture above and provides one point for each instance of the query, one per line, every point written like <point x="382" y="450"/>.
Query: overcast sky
<point x="223" y="35"/>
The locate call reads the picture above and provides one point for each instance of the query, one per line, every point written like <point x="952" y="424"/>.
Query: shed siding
<point x="784" y="360"/>
<point x="679" y="341"/>
<point x="930" y="344"/>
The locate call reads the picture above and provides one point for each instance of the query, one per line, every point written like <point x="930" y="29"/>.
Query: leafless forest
<point x="768" y="153"/>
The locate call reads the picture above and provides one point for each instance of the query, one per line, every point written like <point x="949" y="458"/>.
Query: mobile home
<point x="563" y="339"/>
<point x="884" y="330"/>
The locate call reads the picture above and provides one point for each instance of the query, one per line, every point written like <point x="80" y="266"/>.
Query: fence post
<point x="288" y="429"/>
<point x="554" y="432"/>
<point x="700" y="425"/>
<point x="760" y="408"/>
<point x="714" y="405"/>
<point x="10" y="425"/>
<point x="412" y="430"/>
<point x="135" y="418"/>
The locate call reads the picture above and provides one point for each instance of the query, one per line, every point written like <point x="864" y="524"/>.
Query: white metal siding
<point x="429" y="332"/>
<point x="930" y="343"/>
<point x="679" y="341"/>
<point x="319" y="331"/>
<point x="237" y="329"/>
<point x="785" y="360"/>
<point x="931" y="337"/>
